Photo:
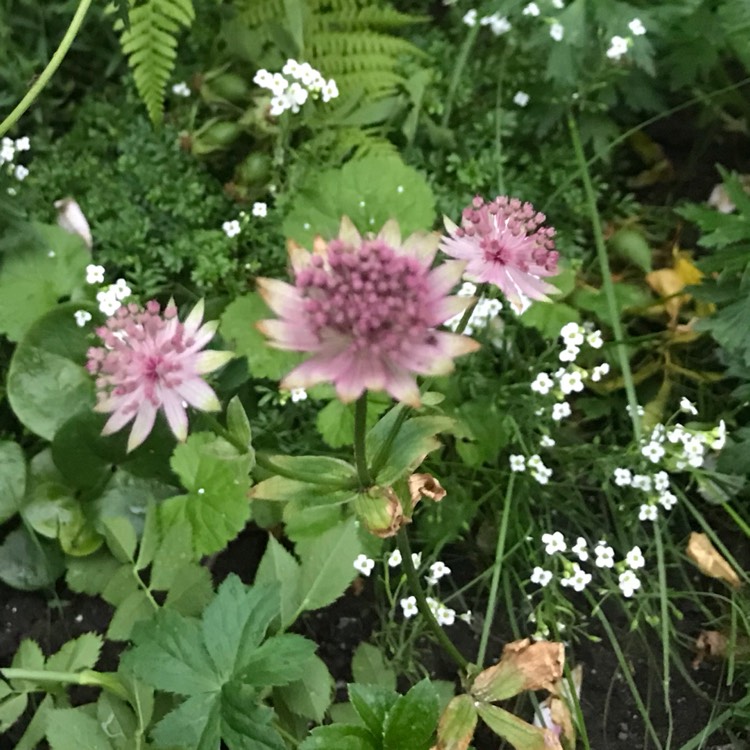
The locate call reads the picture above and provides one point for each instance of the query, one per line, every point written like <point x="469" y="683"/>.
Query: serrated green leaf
<point x="369" y="667"/>
<point x="310" y="696"/>
<point x="29" y="564"/>
<point x="80" y="653"/>
<point x="278" y="566"/>
<point x="247" y="723"/>
<point x="280" y="660"/>
<point x="372" y="704"/>
<point x="190" y="591"/>
<point x="173" y="554"/>
<point x="341" y="737"/>
<point x="238" y="326"/>
<point x="11" y="709"/>
<point x="632" y="246"/>
<point x="413" y="719"/>
<point x="28" y="656"/>
<point x="90" y="575"/>
<point x="119" y="721"/>
<point x="193" y="724"/>
<point x="302" y="522"/>
<point x="327" y="564"/>
<point x="134" y="608"/>
<point x="34" y="733"/>
<point x="335" y="421"/>
<point x="121" y="585"/>
<point x="595" y="301"/>
<point x="370" y="191"/>
<point x="121" y="538"/>
<point x="72" y="729"/>
<point x="12" y="479"/>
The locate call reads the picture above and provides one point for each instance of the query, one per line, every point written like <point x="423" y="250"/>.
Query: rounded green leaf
<point x="29" y="564"/>
<point x="47" y="383"/>
<point x="12" y="479"/>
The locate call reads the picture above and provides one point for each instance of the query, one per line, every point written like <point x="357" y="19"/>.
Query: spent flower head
<point x="151" y="361"/>
<point x="505" y="243"/>
<point x="367" y="310"/>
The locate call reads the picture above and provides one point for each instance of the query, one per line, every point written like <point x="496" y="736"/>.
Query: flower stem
<point x="458" y="70"/>
<point x="606" y="273"/>
<point x="47" y="73"/>
<point x="499" y="553"/>
<point x="88" y="677"/>
<point x="360" y="433"/>
<point x="416" y="586"/>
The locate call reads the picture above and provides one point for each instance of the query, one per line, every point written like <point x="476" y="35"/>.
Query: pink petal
<point x="193" y="321"/>
<point x="445" y="277"/>
<point x="143" y="424"/>
<point x="390" y="233"/>
<point x="422" y="245"/>
<point x="282" y="298"/>
<point x="291" y="336"/>
<point x="211" y="360"/>
<point x="348" y="232"/>
<point x="175" y="414"/>
<point x="447" y="307"/>
<point x="198" y="394"/>
<point x="120" y="417"/>
<point x="403" y="387"/>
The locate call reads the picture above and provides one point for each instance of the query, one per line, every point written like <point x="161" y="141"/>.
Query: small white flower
<point x="439" y="569"/>
<point x="661" y="481"/>
<point x="605" y="555"/>
<point x="628" y="583"/>
<point x="330" y="91"/>
<point x="546" y="441"/>
<point x="595" y="340"/>
<point x="561" y="410"/>
<point x="108" y="303"/>
<point x="623" y="477"/>
<point x="364" y="564"/>
<point x="20" y="172"/>
<point x="532" y="9"/>
<point x="521" y="98"/>
<point x="579" y="549"/>
<point x="636" y="27"/>
<point x="559" y="4"/>
<point x="82" y="317"/>
<point x="569" y="354"/>
<point x="667" y="500"/>
<point x="648" y="512"/>
<point x="181" y="89"/>
<point x="94" y="274"/>
<point x="688" y="407"/>
<point x="676" y="434"/>
<point x="7" y="151"/>
<point x="541" y="576"/>
<point x="535" y="461"/>
<point x="466" y="617"/>
<point x="416" y="559"/>
<point x="517" y="463"/>
<point x="557" y="31"/>
<point x="542" y="384"/>
<point x="394" y="559"/>
<point x="721" y="437"/>
<point x="618" y="46"/>
<point x="291" y="68"/>
<point x="639" y="410"/>
<point x="433" y="604"/>
<point x="554" y="542"/>
<point x="231" y="228"/>
<point x="23" y="143"/>
<point x="120" y="290"/>
<point x="409" y="606"/>
<point x="654" y="452"/>
<point x="467" y="289"/>
<point x="263" y="79"/>
<point x="445" y="615"/>
<point x="542" y="475"/>
<point x="571" y="382"/>
<point x="635" y="559"/>
<point x="599" y="371"/>
<point x="642" y="482"/>
<point x="498" y="24"/>
<point x="470" y="17"/>
<point x="260" y="209"/>
<point x="579" y="579"/>
<point x="572" y="334"/>
<point x="298" y="394"/>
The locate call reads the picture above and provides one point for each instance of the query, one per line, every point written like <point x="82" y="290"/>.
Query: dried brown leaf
<point x="425" y="485"/>
<point x="709" y="561"/>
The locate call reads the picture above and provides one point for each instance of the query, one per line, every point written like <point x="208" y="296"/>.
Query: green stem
<point x="266" y="463"/>
<point x="608" y="284"/>
<point x="665" y="636"/>
<point x="416" y="587"/>
<point x="737" y="519"/>
<point x="48" y="72"/>
<point x="499" y="554"/>
<point x="458" y="71"/>
<point x="360" y="433"/>
<point x="88" y="677"/>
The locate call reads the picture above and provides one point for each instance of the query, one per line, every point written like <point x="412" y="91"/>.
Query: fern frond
<point x="150" y="43"/>
<point x="343" y="43"/>
<point x="374" y="17"/>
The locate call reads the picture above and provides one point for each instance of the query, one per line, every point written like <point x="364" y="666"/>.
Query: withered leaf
<point x="457" y="724"/>
<point x="709" y="560"/>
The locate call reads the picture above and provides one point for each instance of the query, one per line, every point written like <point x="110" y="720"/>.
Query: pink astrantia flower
<point x="151" y="361"/>
<point x="367" y="310"/>
<point x="504" y="243"/>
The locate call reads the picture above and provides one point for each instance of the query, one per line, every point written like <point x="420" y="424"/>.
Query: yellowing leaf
<point x="668" y="283"/>
<point x="709" y="560"/>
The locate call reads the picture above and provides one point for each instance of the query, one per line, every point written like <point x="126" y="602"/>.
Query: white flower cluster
<point x="498" y="24"/>
<point x="9" y="150"/>
<point x="482" y="314"/>
<point x="109" y="299"/>
<point x="575" y="577"/>
<point x="181" y="89"/>
<point x="294" y="85"/>
<point x="619" y="45"/>
<point x="520" y="98"/>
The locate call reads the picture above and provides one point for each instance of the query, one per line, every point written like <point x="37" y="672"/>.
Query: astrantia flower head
<point x="151" y="361"/>
<point x="367" y="310"/>
<point x="505" y="244"/>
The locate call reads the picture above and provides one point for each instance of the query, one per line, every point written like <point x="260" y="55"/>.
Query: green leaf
<point x="193" y="724"/>
<point x="310" y="696"/>
<point x="119" y="721"/>
<point x="216" y="477"/>
<point x="458" y="722"/>
<point x="76" y="655"/>
<point x="340" y="737"/>
<point x="327" y="564"/>
<point x="335" y="421"/>
<point x="246" y="723"/>
<point x="413" y="719"/>
<point x="11" y="708"/>
<point x="121" y="538"/>
<point x="12" y="479"/>
<point x="134" y="608"/>
<point x="72" y="729"/>
<point x="277" y="566"/>
<point x="370" y="668"/>
<point x="632" y="246"/>
<point x="238" y="423"/>
<point x="90" y="575"/>
<point x="47" y="383"/>
<point x="32" y="282"/>
<point x="279" y="661"/>
<point x="238" y="326"/>
<point x="516" y="731"/>
<point x="191" y="590"/>
<point x="173" y="554"/>
<point x="28" y="563"/>
<point x="370" y="191"/>
<point x="549" y="317"/>
<point x="372" y="704"/>
<point x="303" y="522"/>
<point x="595" y="301"/>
